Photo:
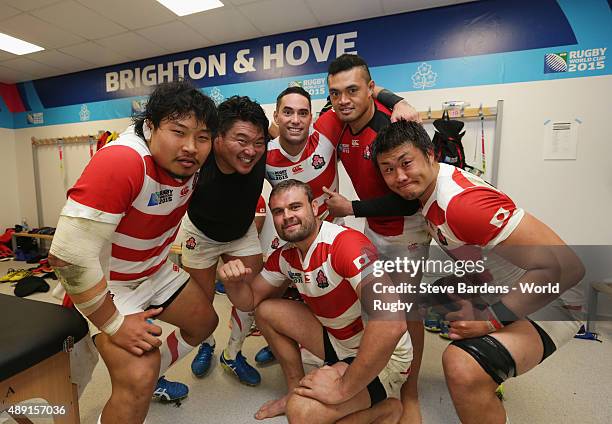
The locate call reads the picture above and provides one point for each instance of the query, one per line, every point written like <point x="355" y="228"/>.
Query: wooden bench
<point x="36" y="338"/>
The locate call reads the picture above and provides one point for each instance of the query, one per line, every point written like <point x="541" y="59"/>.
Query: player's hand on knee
<point x="468" y="321"/>
<point x="138" y="334"/>
<point x="233" y="272"/>
<point x="323" y="384"/>
<point x="458" y="330"/>
<point x="340" y="367"/>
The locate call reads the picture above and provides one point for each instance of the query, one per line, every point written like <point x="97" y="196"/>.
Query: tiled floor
<point x="570" y="387"/>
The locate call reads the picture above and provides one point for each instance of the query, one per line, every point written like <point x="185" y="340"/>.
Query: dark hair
<point x="288" y="185"/>
<point x="177" y="100"/>
<point x="296" y="89"/>
<point x="241" y="108"/>
<point x="399" y="133"/>
<point x="346" y="62"/>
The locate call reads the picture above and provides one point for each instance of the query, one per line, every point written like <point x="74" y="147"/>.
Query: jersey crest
<point x="190" y="243"/>
<point x="318" y="161"/>
<point x="322" y="280"/>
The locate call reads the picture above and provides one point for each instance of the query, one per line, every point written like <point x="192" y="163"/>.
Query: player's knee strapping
<point x="492" y="356"/>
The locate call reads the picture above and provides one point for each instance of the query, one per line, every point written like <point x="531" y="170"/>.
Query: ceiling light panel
<point x="189" y="7"/>
<point x="17" y="46"/>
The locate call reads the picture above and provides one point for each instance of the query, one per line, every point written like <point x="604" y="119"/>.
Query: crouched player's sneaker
<point x="264" y="356"/>
<point x="219" y="287"/>
<point x="201" y="362"/>
<point x="500" y="391"/>
<point x="241" y="369"/>
<point x="432" y="324"/>
<point x="432" y="321"/>
<point x="170" y="391"/>
<point x="444" y="330"/>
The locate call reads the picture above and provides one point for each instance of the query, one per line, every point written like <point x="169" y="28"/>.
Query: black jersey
<point x="223" y="205"/>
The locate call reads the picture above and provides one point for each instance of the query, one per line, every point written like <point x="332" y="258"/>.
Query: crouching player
<point x="512" y="333"/>
<point x="330" y="265"/>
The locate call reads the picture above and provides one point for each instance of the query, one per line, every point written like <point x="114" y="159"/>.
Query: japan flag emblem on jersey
<point x="500" y="217"/>
<point x="362" y="261"/>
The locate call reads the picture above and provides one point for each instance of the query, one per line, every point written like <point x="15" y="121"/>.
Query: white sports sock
<point x="210" y="340"/>
<point x="241" y="326"/>
<point x="173" y="349"/>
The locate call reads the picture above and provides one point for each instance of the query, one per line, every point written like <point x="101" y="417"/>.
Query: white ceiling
<point x="86" y="34"/>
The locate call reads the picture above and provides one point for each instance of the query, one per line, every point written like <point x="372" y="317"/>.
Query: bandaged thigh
<point x="491" y="355"/>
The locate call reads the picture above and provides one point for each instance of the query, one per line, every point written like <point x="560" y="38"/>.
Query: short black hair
<point x="174" y="101"/>
<point x="347" y="62"/>
<point x="295" y="89"/>
<point x="242" y="108"/>
<point x="288" y="185"/>
<point x="399" y="133"/>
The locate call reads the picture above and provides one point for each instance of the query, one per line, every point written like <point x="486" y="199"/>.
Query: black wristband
<point x="388" y="205"/>
<point x="503" y="314"/>
<point x="388" y="98"/>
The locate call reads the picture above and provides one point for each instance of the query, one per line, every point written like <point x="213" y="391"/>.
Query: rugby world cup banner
<point x="478" y="43"/>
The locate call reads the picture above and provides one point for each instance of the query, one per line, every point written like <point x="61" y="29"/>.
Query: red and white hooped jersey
<point x="327" y="278"/>
<point x="463" y="212"/>
<point x="466" y="211"/>
<point x="316" y="165"/>
<point x="123" y="185"/>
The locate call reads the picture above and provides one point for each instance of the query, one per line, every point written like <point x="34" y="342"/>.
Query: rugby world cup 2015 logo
<point x="555" y="62"/>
